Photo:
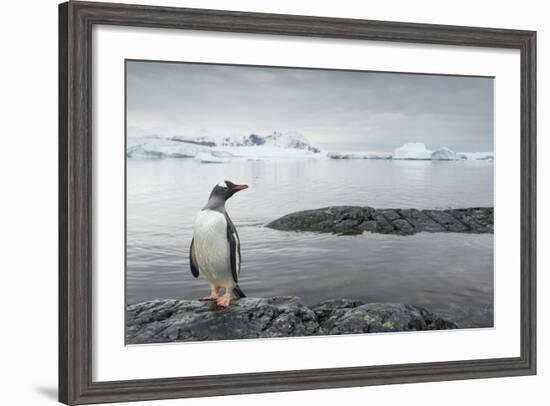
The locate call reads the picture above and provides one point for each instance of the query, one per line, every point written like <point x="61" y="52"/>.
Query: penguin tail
<point x="238" y="292"/>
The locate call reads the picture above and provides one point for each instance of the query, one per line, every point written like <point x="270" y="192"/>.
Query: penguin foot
<point x="214" y="293"/>
<point x="211" y="297"/>
<point x="223" y="300"/>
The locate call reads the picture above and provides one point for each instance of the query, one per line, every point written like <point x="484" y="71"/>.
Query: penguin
<point x="215" y="249"/>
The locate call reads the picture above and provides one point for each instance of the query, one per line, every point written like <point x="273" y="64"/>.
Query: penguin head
<point x="224" y="190"/>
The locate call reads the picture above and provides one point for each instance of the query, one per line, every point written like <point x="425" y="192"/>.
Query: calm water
<point x="447" y="273"/>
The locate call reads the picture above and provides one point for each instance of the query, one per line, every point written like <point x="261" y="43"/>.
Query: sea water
<point x="448" y="273"/>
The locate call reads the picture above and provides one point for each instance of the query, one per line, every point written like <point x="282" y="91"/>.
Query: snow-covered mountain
<point x="288" y="140"/>
<point x="204" y="141"/>
<point x="209" y="150"/>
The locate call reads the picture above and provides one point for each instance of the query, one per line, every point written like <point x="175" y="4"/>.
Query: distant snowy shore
<point x="415" y="151"/>
<point x="205" y="150"/>
<point x="275" y="146"/>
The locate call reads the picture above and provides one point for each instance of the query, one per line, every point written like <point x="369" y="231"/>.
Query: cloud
<point x="337" y="109"/>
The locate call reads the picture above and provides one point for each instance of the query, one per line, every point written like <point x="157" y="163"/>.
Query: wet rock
<point x="355" y="220"/>
<point x="382" y="224"/>
<point x="348" y="317"/>
<point x="403" y="226"/>
<point x="193" y="320"/>
<point x="422" y="221"/>
<point x="347" y="227"/>
<point x="476" y="219"/>
<point x="446" y="219"/>
<point x="390" y="215"/>
<point x="368" y="225"/>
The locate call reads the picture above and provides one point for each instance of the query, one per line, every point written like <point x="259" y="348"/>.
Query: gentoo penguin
<point x="215" y="248"/>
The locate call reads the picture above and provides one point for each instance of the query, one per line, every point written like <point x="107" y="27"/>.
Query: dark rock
<point x="355" y="220"/>
<point x="382" y="224"/>
<point x="475" y="218"/>
<point x="192" y="320"/>
<point x="422" y="221"/>
<point x="347" y="227"/>
<point x="184" y="320"/>
<point x="368" y="213"/>
<point x="445" y="219"/>
<point x="390" y="215"/>
<point x="368" y="225"/>
<point x="324" y="310"/>
<point x="381" y="317"/>
<point x="198" y="141"/>
<point x="403" y="226"/>
<point x="434" y="322"/>
<point x="256" y="139"/>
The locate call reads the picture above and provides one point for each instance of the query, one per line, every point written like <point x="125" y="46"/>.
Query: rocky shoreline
<point x="346" y="220"/>
<point x="159" y="321"/>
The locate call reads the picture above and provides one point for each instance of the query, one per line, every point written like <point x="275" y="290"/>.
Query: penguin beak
<point x="236" y="188"/>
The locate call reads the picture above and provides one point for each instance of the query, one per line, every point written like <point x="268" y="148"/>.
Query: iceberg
<point x="359" y="155"/>
<point x="147" y="147"/>
<point x="212" y="157"/>
<point x="412" y="150"/>
<point x="478" y="156"/>
<point x="418" y="150"/>
<point x="444" y="154"/>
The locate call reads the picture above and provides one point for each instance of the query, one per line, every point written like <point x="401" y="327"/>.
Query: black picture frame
<point x="76" y="20"/>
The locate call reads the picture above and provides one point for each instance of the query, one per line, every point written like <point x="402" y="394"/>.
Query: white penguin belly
<point x="212" y="248"/>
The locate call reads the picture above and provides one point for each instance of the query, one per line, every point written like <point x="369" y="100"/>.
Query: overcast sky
<point x="338" y="110"/>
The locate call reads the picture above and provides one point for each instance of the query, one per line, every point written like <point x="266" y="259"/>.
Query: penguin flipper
<point x="234" y="249"/>
<point x="192" y="262"/>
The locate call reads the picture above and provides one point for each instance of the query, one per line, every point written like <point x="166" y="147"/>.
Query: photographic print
<point x="267" y="202"/>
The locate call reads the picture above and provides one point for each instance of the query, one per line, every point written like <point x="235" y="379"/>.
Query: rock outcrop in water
<point x="356" y="220"/>
<point x="193" y="320"/>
